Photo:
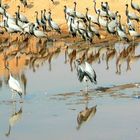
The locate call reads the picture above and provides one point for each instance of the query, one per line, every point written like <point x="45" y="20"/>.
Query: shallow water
<point x="55" y="98"/>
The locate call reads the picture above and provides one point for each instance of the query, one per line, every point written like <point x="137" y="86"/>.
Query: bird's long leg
<point x="86" y="87"/>
<point x="14" y="107"/>
<point x="13" y="95"/>
<point x="86" y="99"/>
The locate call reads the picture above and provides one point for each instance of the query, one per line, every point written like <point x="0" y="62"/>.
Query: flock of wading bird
<point x="84" y="25"/>
<point x="78" y="25"/>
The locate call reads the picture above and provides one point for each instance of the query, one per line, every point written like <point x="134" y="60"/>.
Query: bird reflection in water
<point x="71" y="54"/>
<point x="86" y="114"/>
<point x="14" y="118"/>
<point x="24" y="81"/>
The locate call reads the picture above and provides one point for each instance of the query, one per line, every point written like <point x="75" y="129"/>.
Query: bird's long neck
<point x="89" y="24"/>
<point x="33" y="29"/>
<point x="107" y="23"/>
<point x="98" y="19"/>
<point x="5" y="13"/>
<point x="120" y="22"/>
<point x="71" y="23"/>
<point x="75" y="7"/>
<point x="95" y="7"/>
<point x="126" y="12"/>
<point x="16" y="19"/>
<point x="49" y="16"/>
<point x="49" y="19"/>
<point x="131" y="2"/>
<point x="0" y="3"/>
<point x="78" y="25"/>
<point x="107" y="11"/>
<point x="87" y="13"/>
<point x="18" y="12"/>
<point x="41" y="15"/>
<point x="44" y="15"/>
<point x="37" y="18"/>
<point x="5" y="23"/>
<point x="127" y="19"/>
<point x="65" y="11"/>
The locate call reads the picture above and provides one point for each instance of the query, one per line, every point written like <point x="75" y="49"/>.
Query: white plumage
<point x="15" y="86"/>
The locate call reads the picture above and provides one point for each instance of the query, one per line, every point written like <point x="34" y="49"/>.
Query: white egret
<point x="14" y="85"/>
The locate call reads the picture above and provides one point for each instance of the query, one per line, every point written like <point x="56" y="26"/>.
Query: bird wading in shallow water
<point x="86" y="73"/>
<point x="14" y="85"/>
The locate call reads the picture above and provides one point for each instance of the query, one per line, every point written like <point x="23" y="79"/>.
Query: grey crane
<point x="22" y="17"/>
<point x="121" y="34"/>
<point x="53" y="24"/>
<point x="135" y="6"/>
<point x="131" y="16"/>
<point x="102" y="13"/>
<point x="134" y="34"/>
<point x="86" y="73"/>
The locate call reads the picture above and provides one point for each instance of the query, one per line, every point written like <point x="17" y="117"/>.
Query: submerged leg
<point x="13" y="95"/>
<point x="86" y="87"/>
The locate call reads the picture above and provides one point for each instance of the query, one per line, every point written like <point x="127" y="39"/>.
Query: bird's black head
<point x="18" y="6"/>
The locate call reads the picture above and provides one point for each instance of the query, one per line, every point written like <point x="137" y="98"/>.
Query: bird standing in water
<point x="14" y="85"/>
<point x="86" y="73"/>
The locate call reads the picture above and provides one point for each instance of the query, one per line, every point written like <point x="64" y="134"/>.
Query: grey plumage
<point x="87" y="72"/>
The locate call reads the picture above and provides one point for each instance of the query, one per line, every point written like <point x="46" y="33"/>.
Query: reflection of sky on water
<point x="53" y="102"/>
